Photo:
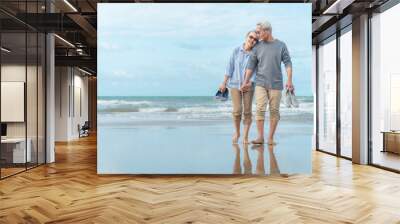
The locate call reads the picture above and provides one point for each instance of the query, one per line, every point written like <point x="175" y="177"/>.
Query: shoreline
<point x="188" y="122"/>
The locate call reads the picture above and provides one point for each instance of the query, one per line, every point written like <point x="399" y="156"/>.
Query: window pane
<point x="386" y="89"/>
<point x="346" y="94"/>
<point x="327" y="97"/>
<point x="14" y="153"/>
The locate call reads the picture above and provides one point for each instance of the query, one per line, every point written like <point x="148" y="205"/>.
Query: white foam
<point x="122" y="102"/>
<point x="176" y="110"/>
<point x="152" y="109"/>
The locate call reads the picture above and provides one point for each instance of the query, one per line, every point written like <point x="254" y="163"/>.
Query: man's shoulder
<point x="280" y="42"/>
<point x="256" y="46"/>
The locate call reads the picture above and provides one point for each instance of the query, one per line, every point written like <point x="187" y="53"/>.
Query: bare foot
<point x="235" y="138"/>
<point x="258" y="141"/>
<point x="271" y="141"/>
<point x="246" y="140"/>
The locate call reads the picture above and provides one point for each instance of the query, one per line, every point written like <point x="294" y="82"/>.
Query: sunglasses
<point x="253" y="38"/>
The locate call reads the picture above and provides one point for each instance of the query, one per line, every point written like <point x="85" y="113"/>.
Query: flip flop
<point x="223" y="96"/>
<point x="271" y="143"/>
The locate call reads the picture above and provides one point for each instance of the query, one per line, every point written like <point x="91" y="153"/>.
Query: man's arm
<point x="248" y="75"/>
<point x="246" y="83"/>
<point x="250" y="67"/>
<point x="288" y="65"/>
<point x="289" y="83"/>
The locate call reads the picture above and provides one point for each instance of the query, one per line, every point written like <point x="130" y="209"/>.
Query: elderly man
<point x="266" y="58"/>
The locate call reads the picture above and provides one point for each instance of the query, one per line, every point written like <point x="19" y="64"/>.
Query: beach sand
<point x="200" y="147"/>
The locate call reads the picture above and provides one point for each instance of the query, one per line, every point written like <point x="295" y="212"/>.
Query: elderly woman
<point x="234" y="77"/>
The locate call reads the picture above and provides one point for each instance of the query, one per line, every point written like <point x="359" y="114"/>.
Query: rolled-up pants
<point x="270" y="97"/>
<point x="242" y="103"/>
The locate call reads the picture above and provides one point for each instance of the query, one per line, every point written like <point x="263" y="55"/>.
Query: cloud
<point x="143" y="46"/>
<point x="174" y="19"/>
<point x="189" y="46"/>
<point x="120" y="74"/>
<point x="109" y="46"/>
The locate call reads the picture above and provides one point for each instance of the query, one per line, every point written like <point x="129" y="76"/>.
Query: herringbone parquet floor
<point x="70" y="191"/>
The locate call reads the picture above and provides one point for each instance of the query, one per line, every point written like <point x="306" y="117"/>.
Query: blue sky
<point x="182" y="49"/>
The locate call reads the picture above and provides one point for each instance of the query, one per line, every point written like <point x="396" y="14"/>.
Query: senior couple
<point x="254" y="68"/>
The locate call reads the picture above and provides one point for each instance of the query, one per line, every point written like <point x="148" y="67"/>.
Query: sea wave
<point x="143" y="117"/>
<point x="200" y="110"/>
<point x="118" y="103"/>
<point x="158" y="109"/>
<point x="187" y="109"/>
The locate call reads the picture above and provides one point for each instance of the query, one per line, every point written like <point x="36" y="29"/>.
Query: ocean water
<point x="129" y="109"/>
<point x="192" y="135"/>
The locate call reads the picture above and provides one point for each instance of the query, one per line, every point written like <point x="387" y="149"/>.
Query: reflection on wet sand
<point x="246" y="160"/>
<point x="247" y="164"/>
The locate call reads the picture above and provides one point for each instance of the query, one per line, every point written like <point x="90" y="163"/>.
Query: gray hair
<point x="248" y="33"/>
<point x="265" y="25"/>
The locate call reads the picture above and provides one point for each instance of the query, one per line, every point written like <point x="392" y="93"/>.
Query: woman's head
<point x="251" y="39"/>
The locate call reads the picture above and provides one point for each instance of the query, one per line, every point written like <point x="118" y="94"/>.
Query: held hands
<point x="245" y="86"/>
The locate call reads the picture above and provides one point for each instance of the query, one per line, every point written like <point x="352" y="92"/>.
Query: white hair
<point x="265" y="25"/>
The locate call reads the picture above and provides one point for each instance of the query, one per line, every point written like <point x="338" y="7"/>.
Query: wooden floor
<point x="70" y="191"/>
<point x="5" y="172"/>
<point x="387" y="159"/>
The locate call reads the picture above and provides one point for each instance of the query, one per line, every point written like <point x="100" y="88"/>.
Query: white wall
<point x="79" y="117"/>
<point x="70" y="83"/>
<point x="62" y="81"/>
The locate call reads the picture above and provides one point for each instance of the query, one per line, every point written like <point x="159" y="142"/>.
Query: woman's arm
<point x="222" y="87"/>
<point x="228" y="72"/>
<point x="250" y="69"/>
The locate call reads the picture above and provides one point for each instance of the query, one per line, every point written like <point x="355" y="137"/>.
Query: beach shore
<point x="198" y="147"/>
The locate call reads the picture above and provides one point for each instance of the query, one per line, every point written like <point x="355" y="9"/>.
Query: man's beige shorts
<point x="242" y="103"/>
<point x="272" y="97"/>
